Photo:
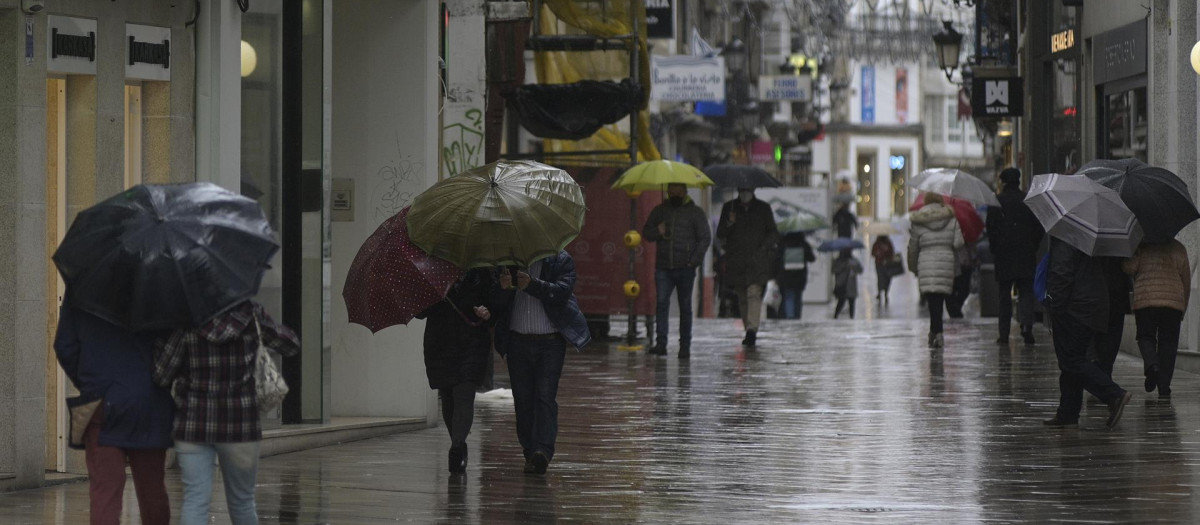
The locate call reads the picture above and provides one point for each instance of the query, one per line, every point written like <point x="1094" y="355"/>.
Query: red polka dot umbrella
<point x="392" y="280"/>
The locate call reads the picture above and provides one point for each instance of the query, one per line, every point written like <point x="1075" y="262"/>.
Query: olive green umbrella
<point x="655" y="174"/>
<point x="507" y="212"/>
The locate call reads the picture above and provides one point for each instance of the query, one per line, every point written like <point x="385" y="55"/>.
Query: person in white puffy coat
<point x="934" y="238"/>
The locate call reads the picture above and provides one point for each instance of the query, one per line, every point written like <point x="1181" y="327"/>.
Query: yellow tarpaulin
<point x="603" y="18"/>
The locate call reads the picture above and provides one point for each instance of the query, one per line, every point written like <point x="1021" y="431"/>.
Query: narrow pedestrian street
<point x="826" y="421"/>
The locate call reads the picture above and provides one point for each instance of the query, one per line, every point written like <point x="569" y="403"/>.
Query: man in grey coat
<point x="680" y="230"/>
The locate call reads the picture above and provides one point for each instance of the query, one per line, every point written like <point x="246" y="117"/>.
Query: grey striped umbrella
<point x="1085" y="214"/>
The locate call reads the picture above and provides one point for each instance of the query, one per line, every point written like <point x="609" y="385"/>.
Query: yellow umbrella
<point x="655" y="174"/>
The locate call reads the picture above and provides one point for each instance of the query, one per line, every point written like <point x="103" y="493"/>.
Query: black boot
<point x="685" y="351"/>
<point x="1152" y="378"/>
<point x="458" y="459"/>
<point x="751" y="336"/>
<point x="658" y="349"/>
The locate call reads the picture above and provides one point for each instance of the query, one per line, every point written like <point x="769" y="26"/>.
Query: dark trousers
<point x="534" y="366"/>
<point x="1024" y="305"/>
<point x="793" y="301"/>
<point x="680" y="281"/>
<point x="1076" y="372"/>
<point x="1158" y="341"/>
<point x="958" y="295"/>
<point x="935" y="301"/>
<point x="1108" y="344"/>
<point x="458" y="411"/>
<point x="844" y="301"/>
<point x="106" y="478"/>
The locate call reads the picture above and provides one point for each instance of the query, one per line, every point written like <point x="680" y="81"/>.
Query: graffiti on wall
<point x="462" y="138"/>
<point x="395" y="185"/>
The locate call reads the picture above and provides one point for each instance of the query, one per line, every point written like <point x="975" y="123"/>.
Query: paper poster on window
<point x="868" y="94"/>
<point x="901" y="95"/>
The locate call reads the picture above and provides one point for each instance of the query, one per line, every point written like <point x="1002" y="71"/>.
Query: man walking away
<point x="749" y="237"/>
<point x="792" y="274"/>
<point x="538" y="317"/>
<point x="1108" y="345"/>
<point x="680" y="230"/>
<point x="1077" y="300"/>
<point x="1014" y="234"/>
<point x="845" y="281"/>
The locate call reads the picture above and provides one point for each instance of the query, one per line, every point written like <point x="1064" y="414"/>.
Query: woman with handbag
<point x="882" y="251"/>
<point x="457" y="347"/>
<point x="119" y="416"/>
<point x="213" y="369"/>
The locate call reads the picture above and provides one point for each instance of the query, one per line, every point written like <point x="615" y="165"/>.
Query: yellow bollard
<point x="632" y="239"/>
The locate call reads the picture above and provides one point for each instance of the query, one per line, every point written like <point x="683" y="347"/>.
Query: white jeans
<point x="239" y="468"/>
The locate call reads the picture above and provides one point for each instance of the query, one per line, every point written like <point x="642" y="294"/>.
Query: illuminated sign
<point x="1062" y="40"/>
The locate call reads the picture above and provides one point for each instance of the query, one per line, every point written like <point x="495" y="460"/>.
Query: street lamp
<point x="949" y="43"/>
<point x="735" y="56"/>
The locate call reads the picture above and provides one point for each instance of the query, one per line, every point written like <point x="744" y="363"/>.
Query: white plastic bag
<point x="773" y="297"/>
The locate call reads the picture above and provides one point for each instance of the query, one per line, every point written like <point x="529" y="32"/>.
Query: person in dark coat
<point x="1119" y="286"/>
<point x="132" y="422"/>
<point x="792" y="272"/>
<point x="457" y="343"/>
<point x="749" y="237"/>
<point x="882" y="251"/>
<point x="1014" y="235"/>
<point x="844" y="221"/>
<point x="845" y="281"/>
<point x="537" y="316"/>
<point x="1077" y="299"/>
<point x="680" y="231"/>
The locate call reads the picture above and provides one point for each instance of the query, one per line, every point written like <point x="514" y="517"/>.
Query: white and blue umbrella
<point x="1084" y="214"/>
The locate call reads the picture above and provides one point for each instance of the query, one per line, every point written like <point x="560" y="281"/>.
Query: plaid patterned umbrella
<point x="391" y="280"/>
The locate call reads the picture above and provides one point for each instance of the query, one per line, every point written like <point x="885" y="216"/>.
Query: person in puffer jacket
<point x="934" y="238"/>
<point x="1162" y="281"/>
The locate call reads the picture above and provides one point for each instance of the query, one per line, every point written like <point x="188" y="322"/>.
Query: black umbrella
<point x="166" y="256"/>
<point x="740" y="176"/>
<point x="1158" y="198"/>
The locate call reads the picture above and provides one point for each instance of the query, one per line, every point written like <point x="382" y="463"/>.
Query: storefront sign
<point x="686" y="78"/>
<point x="1062" y="41"/>
<point x="660" y="18"/>
<point x="997" y="97"/>
<point x="762" y="152"/>
<point x="70" y="45"/>
<point x="148" y="52"/>
<point x="784" y="87"/>
<point x="1119" y="53"/>
<point x="868" y="94"/>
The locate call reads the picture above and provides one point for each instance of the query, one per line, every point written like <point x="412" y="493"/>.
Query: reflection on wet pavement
<point x="827" y="421"/>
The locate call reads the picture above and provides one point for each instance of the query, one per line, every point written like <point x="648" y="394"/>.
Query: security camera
<point x="33" y="6"/>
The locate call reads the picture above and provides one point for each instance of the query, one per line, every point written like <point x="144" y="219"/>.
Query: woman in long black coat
<point x="457" y="343"/>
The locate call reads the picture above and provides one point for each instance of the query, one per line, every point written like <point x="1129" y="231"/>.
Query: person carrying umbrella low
<point x="457" y="343"/>
<point x="749" y="237"/>
<point x="681" y="234"/>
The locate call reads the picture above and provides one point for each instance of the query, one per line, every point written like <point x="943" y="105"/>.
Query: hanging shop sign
<point x="660" y="18"/>
<point x="70" y="45"/>
<point x="868" y="95"/>
<point x="1062" y="40"/>
<point x="687" y="78"/>
<point x="1119" y="53"/>
<point x="785" y="88"/>
<point x="997" y="97"/>
<point x="148" y="52"/>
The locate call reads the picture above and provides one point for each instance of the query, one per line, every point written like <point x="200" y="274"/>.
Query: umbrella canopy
<point x="741" y="176"/>
<point x="1085" y="214"/>
<point x="839" y="244"/>
<point x="881" y="228"/>
<point x="506" y="212"/>
<point x="166" y="256"/>
<point x="1160" y="199"/>
<point x="391" y="280"/>
<point x="792" y="218"/>
<point x="968" y="219"/>
<point x="655" y="174"/>
<point x="955" y="183"/>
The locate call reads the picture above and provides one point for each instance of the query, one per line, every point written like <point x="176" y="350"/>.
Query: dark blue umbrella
<point x="1158" y="198"/>
<point x="740" y="176"/>
<point x="839" y="244"/>
<point x="166" y="256"/>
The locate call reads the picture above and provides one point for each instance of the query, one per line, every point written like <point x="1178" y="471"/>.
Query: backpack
<point x="1040" y="276"/>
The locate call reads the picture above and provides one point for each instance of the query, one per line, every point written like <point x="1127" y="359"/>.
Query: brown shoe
<point x="1116" y="408"/>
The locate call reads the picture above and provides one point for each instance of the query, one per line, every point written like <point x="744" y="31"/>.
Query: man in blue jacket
<point x="537" y="318"/>
<point x="132" y="422"/>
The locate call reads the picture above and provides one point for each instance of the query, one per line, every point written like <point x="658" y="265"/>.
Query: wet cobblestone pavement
<point x="828" y="421"/>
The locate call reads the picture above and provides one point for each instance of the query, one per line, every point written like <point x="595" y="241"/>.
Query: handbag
<point x="894" y="265"/>
<point x="269" y="386"/>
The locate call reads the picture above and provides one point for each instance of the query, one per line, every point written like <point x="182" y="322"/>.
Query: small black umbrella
<point x="1158" y="198"/>
<point x="740" y="176"/>
<point x="166" y="256"/>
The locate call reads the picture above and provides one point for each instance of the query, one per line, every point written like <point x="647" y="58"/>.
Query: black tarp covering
<point x="573" y="111"/>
